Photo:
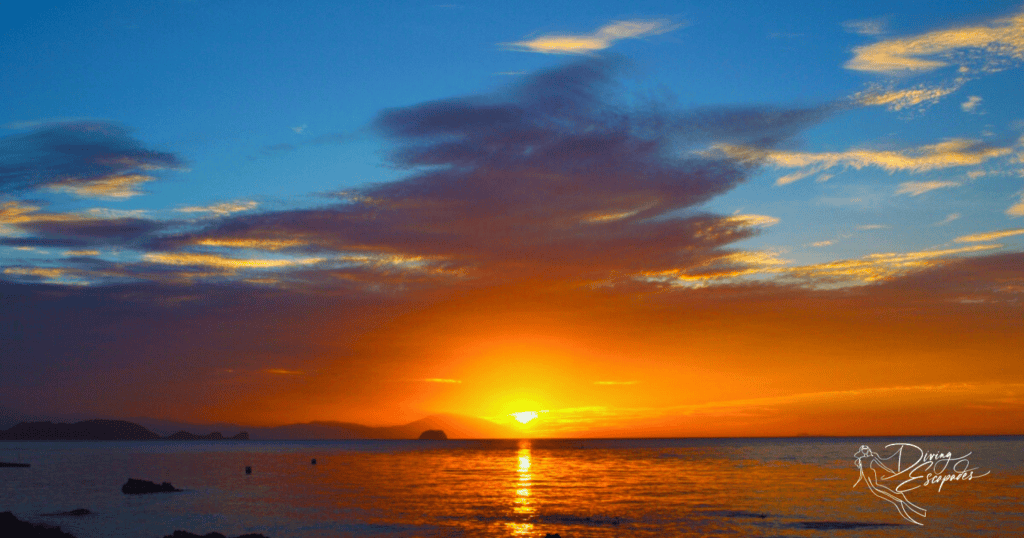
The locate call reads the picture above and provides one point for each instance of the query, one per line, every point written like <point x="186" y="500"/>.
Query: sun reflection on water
<point x="523" y="505"/>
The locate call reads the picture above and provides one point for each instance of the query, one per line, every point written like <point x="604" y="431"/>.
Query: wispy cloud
<point x="917" y="188"/>
<point x="441" y="380"/>
<point x="601" y="39"/>
<point x="985" y="47"/>
<point x="877" y="267"/>
<point x="988" y="236"/>
<point x="948" y="154"/>
<point x="224" y="262"/>
<point x="865" y="27"/>
<point x="1016" y="210"/>
<point x="91" y="159"/>
<point x="901" y="99"/>
<point x="615" y="382"/>
<point x="282" y="371"/>
<point x="971" y="104"/>
<point x="254" y="243"/>
<point x="949" y="218"/>
<point x="40" y="228"/>
<point x="106" y="213"/>
<point x="753" y="220"/>
<point x="50" y="273"/>
<point x="226" y="208"/>
<point x="124" y="186"/>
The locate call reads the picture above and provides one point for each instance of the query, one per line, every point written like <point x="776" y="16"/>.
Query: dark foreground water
<point x="590" y="488"/>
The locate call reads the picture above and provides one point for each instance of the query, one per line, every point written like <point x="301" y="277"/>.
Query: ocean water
<point x="576" y="488"/>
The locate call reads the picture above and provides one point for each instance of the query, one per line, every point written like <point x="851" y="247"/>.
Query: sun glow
<point x="524" y="416"/>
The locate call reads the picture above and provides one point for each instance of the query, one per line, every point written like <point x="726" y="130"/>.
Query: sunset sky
<point x="633" y="219"/>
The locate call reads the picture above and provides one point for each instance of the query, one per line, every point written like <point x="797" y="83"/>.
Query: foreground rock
<point x="184" y="534"/>
<point x="8" y="464"/>
<point x="12" y="527"/>
<point x="434" y="435"/>
<point x="134" y="486"/>
<point x="75" y="512"/>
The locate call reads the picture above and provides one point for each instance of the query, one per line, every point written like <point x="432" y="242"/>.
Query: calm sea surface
<point x="599" y="488"/>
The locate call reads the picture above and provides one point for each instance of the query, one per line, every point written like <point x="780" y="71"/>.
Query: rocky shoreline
<point x="12" y="527"/>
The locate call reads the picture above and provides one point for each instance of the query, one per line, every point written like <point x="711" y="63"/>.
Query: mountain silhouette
<point x="455" y="426"/>
<point x="87" y="430"/>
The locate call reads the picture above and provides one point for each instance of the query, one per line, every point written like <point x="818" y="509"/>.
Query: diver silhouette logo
<point x="871" y="478"/>
<point x="906" y="469"/>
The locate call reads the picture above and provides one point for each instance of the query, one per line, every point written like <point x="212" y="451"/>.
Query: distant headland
<point x="98" y="430"/>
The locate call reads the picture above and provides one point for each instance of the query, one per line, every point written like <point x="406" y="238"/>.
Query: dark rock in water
<point x="133" y="486"/>
<point x="13" y="527"/>
<point x="240" y="436"/>
<point x="248" y="469"/>
<point x="313" y="461"/>
<point x="183" y="436"/>
<point x="434" y="435"/>
<point x="552" y="535"/>
<point x="186" y="534"/>
<point x="5" y="464"/>
<point x="75" y="512"/>
<point x="829" y="525"/>
<point x="186" y="436"/>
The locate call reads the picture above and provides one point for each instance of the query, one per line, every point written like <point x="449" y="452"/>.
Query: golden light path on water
<point x="523" y="506"/>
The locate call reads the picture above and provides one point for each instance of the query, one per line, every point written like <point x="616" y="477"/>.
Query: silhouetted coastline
<point x="141" y="428"/>
<point x="13" y="527"/>
<point x="99" y="430"/>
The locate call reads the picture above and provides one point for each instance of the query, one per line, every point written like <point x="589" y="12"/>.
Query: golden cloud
<point x="224" y="262"/>
<point x="947" y="154"/>
<point x="876" y="267"/>
<point x="258" y="244"/>
<point x="1016" y="210"/>
<point x="603" y="38"/>
<point x="118" y="186"/>
<point x="226" y="208"/>
<point x="988" y="236"/>
<point x="995" y="43"/>
<point x="900" y="99"/>
<point x="45" y="272"/>
<point x="753" y="220"/>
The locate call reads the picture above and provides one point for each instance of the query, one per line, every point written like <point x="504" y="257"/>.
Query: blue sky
<point x="405" y="151"/>
<point x="272" y="102"/>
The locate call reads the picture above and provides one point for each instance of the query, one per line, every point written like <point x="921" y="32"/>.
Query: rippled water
<point x="598" y="488"/>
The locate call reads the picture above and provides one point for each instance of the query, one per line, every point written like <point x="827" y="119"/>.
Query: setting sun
<point x="524" y="416"/>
